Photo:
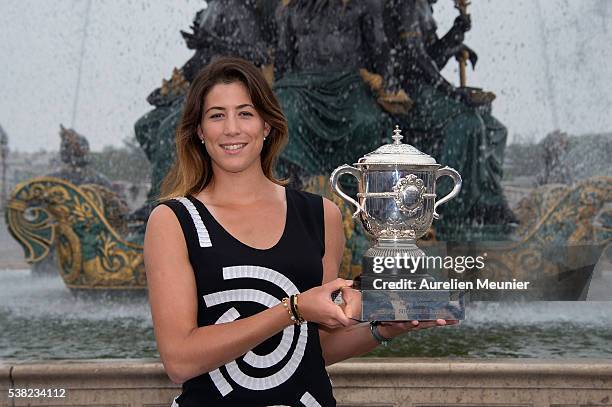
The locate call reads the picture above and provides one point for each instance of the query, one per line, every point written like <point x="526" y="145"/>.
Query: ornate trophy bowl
<point x="396" y="204"/>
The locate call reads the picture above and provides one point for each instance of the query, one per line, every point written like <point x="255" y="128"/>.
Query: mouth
<point x="234" y="147"/>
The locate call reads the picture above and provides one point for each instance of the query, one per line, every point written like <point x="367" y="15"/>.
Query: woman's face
<point x="232" y="130"/>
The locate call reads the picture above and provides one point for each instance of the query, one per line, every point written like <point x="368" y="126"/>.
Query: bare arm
<point x="340" y="343"/>
<point x="187" y="350"/>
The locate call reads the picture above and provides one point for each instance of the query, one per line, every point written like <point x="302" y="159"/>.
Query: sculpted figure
<point x="226" y="27"/>
<point x="554" y="149"/>
<point x="74" y="155"/>
<point x="453" y="124"/>
<point x="325" y="51"/>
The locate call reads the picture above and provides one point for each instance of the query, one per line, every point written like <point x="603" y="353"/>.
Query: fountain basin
<point x="368" y="382"/>
<point x="43" y="320"/>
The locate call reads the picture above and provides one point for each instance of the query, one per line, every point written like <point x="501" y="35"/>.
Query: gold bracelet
<point x="294" y="312"/>
<point x="285" y="302"/>
<point x="297" y="310"/>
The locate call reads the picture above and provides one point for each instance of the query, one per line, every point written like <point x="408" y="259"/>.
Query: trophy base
<point x="396" y="294"/>
<point x="408" y="305"/>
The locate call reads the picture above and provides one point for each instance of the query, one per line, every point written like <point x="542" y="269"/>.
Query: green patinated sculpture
<point x="328" y="57"/>
<point x="472" y="141"/>
<point x="75" y="169"/>
<point x="333" y="114"/>
<point x="455" y="125"/>
<point x="332" y="117"/>
<point x="48" y="212"/>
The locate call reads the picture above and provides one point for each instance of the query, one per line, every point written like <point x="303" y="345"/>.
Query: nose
<point x="231" y="127"/>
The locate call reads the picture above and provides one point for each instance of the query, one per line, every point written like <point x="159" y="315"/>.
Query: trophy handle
<point x="333" y="181"/>
<point x="456" y="178"/>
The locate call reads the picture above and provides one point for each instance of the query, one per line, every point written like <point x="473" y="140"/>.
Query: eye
<point x="245" y="113"/>
<point x="215" y="116"/>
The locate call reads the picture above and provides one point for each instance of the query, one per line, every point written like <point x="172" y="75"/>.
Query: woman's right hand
<point x="391" y="329"/>
<point x="316" y="304"/>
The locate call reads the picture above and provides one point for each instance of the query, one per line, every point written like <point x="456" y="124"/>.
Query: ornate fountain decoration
<point x="91" y="253"/>
<point x="84" y="219"/>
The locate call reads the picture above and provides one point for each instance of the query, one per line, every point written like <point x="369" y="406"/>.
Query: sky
<point x="548" y="61"/>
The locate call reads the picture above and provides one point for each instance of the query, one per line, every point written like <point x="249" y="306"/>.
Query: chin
<point x="235" y="166"/>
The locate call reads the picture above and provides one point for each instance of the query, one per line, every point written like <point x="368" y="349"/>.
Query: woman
<point x="235" y="262"/>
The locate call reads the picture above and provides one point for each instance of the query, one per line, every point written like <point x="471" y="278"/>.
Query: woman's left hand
<point x="393" y="329"/>
<point x="351" y="302"/>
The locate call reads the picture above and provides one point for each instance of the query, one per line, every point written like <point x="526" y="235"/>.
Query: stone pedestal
<point x="365" y="382"/>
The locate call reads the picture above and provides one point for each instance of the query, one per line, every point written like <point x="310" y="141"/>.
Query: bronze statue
<point x="453" y="124"/>
<point x="226" y="27"/>
<point x="76" y="169"/>
<point x="326" y="52"/>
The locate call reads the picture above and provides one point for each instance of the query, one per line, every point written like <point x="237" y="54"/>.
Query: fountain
<point x="98" y="245"/>
<point x="45" y="318"/>
<point x="100" y="251"/>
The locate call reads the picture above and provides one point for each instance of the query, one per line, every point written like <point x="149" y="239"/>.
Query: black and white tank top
<point x="236" y="281"/>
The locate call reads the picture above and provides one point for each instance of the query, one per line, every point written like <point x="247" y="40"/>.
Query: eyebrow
<point x="237" y="107"/>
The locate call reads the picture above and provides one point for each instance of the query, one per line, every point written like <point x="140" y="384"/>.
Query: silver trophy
<point x="397" y="204"/>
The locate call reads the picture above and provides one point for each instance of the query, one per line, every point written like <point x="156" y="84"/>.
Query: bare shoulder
<point x="334" y="230"/>
<point x="331" y="212"/>
<point x="164" y="233"/>
<point x="162" y="214"/>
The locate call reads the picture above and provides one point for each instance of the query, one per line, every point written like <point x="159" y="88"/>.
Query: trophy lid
<point x="397" y="153"/>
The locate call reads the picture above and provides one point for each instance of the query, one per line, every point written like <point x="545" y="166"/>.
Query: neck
<point x="239" y="187"/>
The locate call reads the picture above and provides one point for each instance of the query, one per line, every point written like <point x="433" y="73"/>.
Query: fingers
<point x="319" y="307"/>
<point x="343" y="319"/>
<point x="424" y="324"/>
<point x="338" y="319"/>
<point x="352" y="302"/>
<point x="417" y="325"/>
<point x="350" y="295"/>
<point x="346" y="310"/>
<point x="431" y="324"/>
<point x="337" y="284"/>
